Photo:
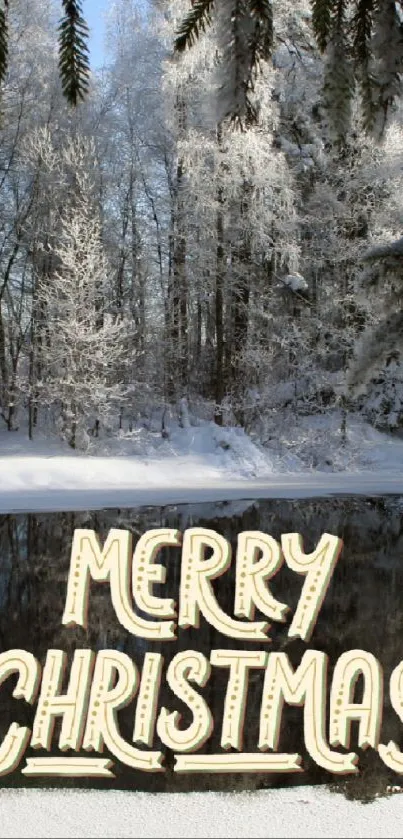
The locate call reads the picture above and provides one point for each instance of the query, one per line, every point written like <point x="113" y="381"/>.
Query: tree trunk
<point x="240" y="305"/>
<point x="177" y="377"/>
<point x="219" y="315"/>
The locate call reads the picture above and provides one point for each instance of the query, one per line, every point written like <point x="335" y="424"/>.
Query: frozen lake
<point x="142" y="492"/>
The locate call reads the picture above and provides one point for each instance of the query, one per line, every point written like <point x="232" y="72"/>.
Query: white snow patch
<point x="297" y="812"/>
<point x="202" y="463"/>
<point x="296" y="282"/>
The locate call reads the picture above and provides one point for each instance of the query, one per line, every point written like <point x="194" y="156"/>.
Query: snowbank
<point x="297" y="812"/>
<point x="198" y="464"/>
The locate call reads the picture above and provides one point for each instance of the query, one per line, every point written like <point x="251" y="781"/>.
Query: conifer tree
<point x="73" y="49"/>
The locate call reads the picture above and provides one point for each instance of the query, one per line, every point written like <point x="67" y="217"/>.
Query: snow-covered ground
<point x="200" y="463"/>
<point x="297" y="812"/>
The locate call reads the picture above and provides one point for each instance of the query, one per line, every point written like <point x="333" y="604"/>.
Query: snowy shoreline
<point x="297" y="812"/>
<point x="202" y="464"/>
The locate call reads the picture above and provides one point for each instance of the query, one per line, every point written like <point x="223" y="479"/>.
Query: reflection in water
<point x="362" y="610"/>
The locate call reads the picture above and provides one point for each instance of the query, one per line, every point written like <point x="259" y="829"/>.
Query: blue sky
<point x="94" y="11"/>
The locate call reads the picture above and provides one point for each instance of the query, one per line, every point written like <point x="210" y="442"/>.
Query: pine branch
<point x="362" y="24"/>
<point x="362" y="28"/>
<point x="73" y="52"/>
<point x="388" y="58"/>
<point x="3" y="40"/>
<point x="262" y="40"/>
<point x="372" y="351"/>
<point x="339" y="78"/>
<point x="339" y="19"/>
<point x="260" y="47"/>
<point x="195" y="22"/>
<point x="322" y="21"/>
<point x="338" y="89"/>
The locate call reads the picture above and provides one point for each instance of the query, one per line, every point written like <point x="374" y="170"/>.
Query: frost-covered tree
<point x="136" y="149"/>
<point x="84" y="342"/>
<point x="237" y="220"/>
<point x="348" y="195"/>
<point x="28" y="100"/>
<point x="375" y="375"/>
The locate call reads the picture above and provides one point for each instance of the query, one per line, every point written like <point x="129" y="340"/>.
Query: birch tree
<point x="84" y="344"/>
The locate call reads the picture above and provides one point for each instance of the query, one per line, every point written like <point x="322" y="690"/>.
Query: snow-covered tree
<point x="375" y="375"/>
<point x="235" y="199"/>
<point x="28" y="100"/>
<point x="84" y="341"/>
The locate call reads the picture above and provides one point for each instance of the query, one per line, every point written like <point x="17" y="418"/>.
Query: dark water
<point x="363" y="609"/>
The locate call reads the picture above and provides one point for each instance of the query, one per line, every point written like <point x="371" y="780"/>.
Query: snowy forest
<point x="160" y="263"/>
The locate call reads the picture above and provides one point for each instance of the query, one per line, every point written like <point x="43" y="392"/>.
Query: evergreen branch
<point x="322" y="21"/>
<point x="262" y="40"/>
<point x="260" y="47"/>
<point x="339" y="19"/>
<point x="362" y="24"/>
<point x="372" y="351"/>
<point x="362" y="28"/>
<point x="195" y="22"/>
<point x="387" y="47"/>
<point x="338" y="88"/>
<point x="73" y="52"/>
<point x="3" y="41"/>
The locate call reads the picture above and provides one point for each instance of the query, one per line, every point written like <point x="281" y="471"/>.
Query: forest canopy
<point x="362" y="41"/>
